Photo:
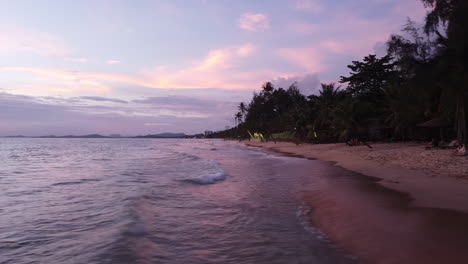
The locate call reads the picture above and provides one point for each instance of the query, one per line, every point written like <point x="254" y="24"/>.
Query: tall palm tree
<point x="326" y="102"/>
<point x="242" y="109"/>
<point x="238" y="117"/>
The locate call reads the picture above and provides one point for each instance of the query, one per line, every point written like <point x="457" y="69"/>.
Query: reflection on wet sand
<point x="378" y="225"/>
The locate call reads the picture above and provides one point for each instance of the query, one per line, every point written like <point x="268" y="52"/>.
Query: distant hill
<point x="73" y="136"/>
<point x="164" y="135"/>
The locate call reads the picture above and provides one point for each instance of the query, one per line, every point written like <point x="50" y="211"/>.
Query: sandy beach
<point x="393" y="204"/>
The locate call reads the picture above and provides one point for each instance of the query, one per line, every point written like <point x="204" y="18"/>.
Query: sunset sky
<point x="144" y="67"/>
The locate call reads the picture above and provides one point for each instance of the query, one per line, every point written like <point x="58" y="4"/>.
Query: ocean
<point x="156" y="201"/>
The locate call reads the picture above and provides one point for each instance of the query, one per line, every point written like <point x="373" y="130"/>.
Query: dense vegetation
<point x="423" y="77"/>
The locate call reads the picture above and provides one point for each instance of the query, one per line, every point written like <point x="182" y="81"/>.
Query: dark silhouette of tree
<point x="238" y="118"/>
<point x="369" y="78"/>
<point x="423" y="76"/>
<point x="435" y="65"/>
<point x="242" y="109"/>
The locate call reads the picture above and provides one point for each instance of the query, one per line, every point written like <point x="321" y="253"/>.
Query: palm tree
<point x="268" y="88"/>
<point x="326" y="102"/>
<point x="238" y="118"/>
<point x="242" y="109"/>
<point x="326" y="108"/>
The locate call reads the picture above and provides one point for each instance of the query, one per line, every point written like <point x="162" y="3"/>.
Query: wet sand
<point x="383" y="213"/>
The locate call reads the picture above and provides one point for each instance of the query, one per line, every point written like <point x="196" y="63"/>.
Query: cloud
<point x="81" y="60"/>
<point x="219" y="68"/>
<point x="103" y="99"/>
<point x="224" y="58"/>
<point x="63" y="81"/>
<point x="380" y="49"/>
<point x="112" y="62"/>
<point x="254" y="22"/>
<point x="308" y="84"/>
<point x="158" y="124"/>
<point x="308" y="5"/>
<point x="227" y="67"/>
<point x="343" y="38"/>
<point x="197" y="107"/>
<point x="349" y="38"/>
<point x="29" y="115"/>
<point x="17" y="39"/>
<point x="334" y="46"/>
<point x="309" y="59"/>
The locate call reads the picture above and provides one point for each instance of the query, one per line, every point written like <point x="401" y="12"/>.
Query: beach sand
<point x="393" y="204"/>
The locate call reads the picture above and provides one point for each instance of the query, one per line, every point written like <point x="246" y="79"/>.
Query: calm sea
<point x="155" y="201"/>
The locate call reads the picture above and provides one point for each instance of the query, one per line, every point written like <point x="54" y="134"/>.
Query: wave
<point x="66" y="183"/>
<point x="75" y="182"/>
<point x="208" y="178"/>
<point x="188" y="156"/>
<point x="102" y="159"/>
<point x="303" y="214"/>
<point x="209" y="172"/>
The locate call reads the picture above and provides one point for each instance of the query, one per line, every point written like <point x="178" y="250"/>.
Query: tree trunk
<point x="461" y="120"/>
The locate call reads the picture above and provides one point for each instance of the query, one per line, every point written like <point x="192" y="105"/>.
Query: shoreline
<point x="426" y="188"/>
<point x="381" y="212"/>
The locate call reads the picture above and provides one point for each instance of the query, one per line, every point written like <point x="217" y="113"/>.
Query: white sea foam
<point x="211" y="172"/>
<point x="209" y="178"/>
<point x="303" y="214"/>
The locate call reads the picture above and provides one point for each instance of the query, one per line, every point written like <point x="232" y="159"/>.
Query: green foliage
<point x="287" y="135"/>
<point x="368" y="78"/>
<point x="423" y="76"/>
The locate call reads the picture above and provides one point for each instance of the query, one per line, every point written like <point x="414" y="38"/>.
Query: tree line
<point x="422" y="77"/>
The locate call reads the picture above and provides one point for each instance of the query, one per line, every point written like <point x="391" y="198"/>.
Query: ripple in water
<point x="129" y="201"/>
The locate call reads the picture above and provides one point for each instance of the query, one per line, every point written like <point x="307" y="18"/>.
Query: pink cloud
<point x="254" y="22"/>
<point x="245" y="50"/>
<point x="334" y="46"/>
<point x="225" y="58"/>
<point x="81" y="60"/>
<point x="112" y="62"/>
<point x="309" y="59"/>
<point x="61" y="81"/>
<point x="347" y="36"/>
<point x="220" y="68"/>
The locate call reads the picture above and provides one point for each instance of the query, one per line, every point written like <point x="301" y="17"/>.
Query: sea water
<point x="155" y="201"/>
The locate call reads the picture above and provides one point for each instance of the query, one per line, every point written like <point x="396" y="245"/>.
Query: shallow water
<point x="155" y="201"/>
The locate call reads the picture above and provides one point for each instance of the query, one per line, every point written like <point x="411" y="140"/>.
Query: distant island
<point x="161" y="135"/>
<point x="165" y="135"/>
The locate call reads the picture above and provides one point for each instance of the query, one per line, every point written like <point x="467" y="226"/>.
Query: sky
<point x="147" y="67"/>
